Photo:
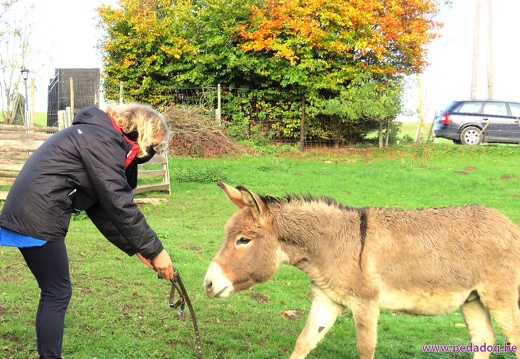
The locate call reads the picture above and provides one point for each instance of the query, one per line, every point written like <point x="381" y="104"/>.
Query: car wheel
<point x="471" y="136"/>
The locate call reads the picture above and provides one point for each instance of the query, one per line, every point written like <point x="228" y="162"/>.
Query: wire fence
<point x="72" y="89"/>
<point x="215" y="101"/>
<point x="241" y="109"/>
<point x="218" y="103"/>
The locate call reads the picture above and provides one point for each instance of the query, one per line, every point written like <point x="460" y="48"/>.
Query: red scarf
<point x="135" y="147"/>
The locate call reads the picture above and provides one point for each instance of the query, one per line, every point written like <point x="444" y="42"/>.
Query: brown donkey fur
<point x="429" y="262"/>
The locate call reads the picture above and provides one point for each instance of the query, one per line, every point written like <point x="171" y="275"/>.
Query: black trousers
<point x="50" y="266"/>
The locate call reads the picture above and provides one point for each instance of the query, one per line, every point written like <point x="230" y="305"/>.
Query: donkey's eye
<point x="242" y="241"/>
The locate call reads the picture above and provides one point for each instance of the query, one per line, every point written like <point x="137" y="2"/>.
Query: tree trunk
<point x="388" y="127"/>
<point x="380" y="132"/>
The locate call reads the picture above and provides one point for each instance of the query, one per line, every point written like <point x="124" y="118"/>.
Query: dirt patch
<point x="466" y="170"/>
<point x="3" y="311"/>
<point x="152" y="201"/>
<point x="343" y="154"/>
<point x="259" y="298"/>
<point x="508" y="177"/>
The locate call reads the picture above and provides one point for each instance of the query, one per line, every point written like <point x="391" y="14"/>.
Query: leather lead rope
<point x="178" y="286"/>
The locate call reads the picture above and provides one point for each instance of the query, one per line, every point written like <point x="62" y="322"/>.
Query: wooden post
<point x="420" y="116"/>
<point x="71" y="96"/>
<point x="61" y="120"/>
<point x="33" y="95"/>
<point x="302" y="127"/>
<point x="430" y="133"/>
<point x="12" y="117"/>
<point x="121" y="92"/>
<point x="219" y="107"/>
<point x="68" y="117"/>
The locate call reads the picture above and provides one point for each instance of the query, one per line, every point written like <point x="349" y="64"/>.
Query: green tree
<point x="155" y="45"/>
<point x="143" y="41"/>
<point x="381" y="103"/>
<point x="269" y="55"/>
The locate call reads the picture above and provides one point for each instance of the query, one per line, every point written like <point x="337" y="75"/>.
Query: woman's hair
<point x="143" y="119"/>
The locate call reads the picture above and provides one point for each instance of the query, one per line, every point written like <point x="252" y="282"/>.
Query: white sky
<point x="65" y="35"/>
<point x="448" y="76"/>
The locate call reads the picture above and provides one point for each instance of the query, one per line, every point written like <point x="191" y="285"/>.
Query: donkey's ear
<point x="233" y="194"/>
<point x="252" y="200"/>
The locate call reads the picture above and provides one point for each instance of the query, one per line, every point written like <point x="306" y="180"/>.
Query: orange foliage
<point x="384" y="36"/>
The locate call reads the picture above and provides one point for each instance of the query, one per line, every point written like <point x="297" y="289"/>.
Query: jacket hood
<point x="92" y="115"/>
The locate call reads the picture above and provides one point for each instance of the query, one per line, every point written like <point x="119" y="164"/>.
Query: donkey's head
<point x="250" y="253"/>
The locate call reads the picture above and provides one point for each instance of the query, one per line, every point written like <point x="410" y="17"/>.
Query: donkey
<point x="425" y="262"/>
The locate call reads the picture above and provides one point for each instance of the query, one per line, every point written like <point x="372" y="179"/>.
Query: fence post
<point x="302" y="127"/>
<point x="218" y="114"/>
<point x="33" y="96"/>
<point x="71" y="95"/>
<point x="121" y="91"/>
<point x="61" y="120"/>
<point x="68" y="116"/>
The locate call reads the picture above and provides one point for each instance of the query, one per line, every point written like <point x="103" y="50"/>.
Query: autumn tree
<point x="269" y="55"/>
<point x="321" y="47"/>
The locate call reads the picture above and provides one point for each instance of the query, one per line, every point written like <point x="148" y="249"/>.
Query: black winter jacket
<point x="83" y="163"/>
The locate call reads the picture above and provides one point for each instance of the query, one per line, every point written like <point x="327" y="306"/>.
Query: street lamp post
<point x="25" y="76"/>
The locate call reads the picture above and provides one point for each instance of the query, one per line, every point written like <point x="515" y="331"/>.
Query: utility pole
<point x="491" y="84"/>
<point x="475" y="51"/>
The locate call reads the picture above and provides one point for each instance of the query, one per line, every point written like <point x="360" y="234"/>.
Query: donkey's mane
<point x="305" y="198"/>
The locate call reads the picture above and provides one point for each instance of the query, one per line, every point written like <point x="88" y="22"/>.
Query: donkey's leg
<point x="478" y="321"/>
<point x="366" y="315"/>
<point x="509" y="322"/>
<point x="503" y="306"/>
<point x="322" y="315"/>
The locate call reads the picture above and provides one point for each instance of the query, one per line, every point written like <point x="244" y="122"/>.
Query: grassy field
<point x="119" y="308"/>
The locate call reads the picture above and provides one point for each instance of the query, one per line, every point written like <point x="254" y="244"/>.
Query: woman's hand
<point x="163" y="265"/>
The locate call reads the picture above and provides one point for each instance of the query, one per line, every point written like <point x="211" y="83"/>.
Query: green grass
<point x="40" y="119"/>
<point x="119" y="309"/>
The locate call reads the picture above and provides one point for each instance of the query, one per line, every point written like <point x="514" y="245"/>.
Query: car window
<point x="495" y="108"/>
<point x="470" y="107"/>
<point x="449" y="107"/>
<point x="515" y="109"/>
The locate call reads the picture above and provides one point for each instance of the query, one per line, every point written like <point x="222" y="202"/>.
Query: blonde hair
<point x="143" y="119"/>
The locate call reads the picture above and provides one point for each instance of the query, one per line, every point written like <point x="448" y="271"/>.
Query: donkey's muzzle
<point x="215" y="282"/>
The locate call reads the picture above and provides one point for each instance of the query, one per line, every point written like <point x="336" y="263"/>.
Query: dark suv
<point x="476" y="121"/>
